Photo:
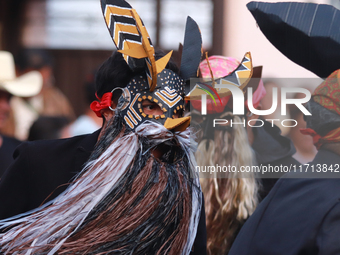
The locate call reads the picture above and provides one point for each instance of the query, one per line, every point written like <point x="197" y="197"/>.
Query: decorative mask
<point x="239" y="77"/>
<point x="168" y="95"/>
<point x="158" y="85"/>
<point x="224" y="71"/>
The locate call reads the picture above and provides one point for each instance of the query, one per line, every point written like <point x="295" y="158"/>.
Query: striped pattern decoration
<point x="133" y="118"/>
<point x="130" y="37"/>
<point x="169" y="97"/>
<point x="241" y="75"/>
<point x="149" y="50"/>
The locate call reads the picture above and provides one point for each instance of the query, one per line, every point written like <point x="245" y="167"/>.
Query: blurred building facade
<point x="75" y="34"/>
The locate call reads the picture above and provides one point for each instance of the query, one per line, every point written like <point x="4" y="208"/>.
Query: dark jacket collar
<point x="85" y="149"/>
<point x="89" y="141"/>
<point x="327" y="156"/>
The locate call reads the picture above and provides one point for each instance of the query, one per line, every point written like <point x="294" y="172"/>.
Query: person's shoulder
<point x="47" y="146"/>
<point x="311" y="190"/>
<point x="11" y="140"/>
<point x="309" y="181"/>
<point x="69" y="140"/>
<point x="327" y="157"/>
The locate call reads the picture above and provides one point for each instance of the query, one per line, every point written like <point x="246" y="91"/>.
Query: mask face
<point x="138" y="104"/>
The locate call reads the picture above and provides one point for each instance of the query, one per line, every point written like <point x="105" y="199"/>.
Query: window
<point x="79" y="24"/>
<point x="173" y="18"/>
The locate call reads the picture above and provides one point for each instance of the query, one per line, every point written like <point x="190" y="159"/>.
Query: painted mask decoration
<point x="168" y="96"/>
<point x="239" y="77"/>
<point x="126" y="199"/>
<point x="157" y="85"/>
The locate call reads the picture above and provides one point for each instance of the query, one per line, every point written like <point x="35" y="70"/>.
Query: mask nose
<point x="179" y="124"/>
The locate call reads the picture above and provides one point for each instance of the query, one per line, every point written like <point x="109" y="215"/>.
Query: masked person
<point x="10" y="85"/>
<point x="230" y="198"/>
<point x="137" y="192"/>
<point x="303" y="211"/>
<point x="49" y="102"/>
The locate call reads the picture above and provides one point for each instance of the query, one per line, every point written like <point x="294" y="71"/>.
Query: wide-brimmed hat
<point x="26" y="85"/>
<point x="306" y="33"/>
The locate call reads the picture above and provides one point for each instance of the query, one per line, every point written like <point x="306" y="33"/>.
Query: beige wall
<point x="246" y="36"/>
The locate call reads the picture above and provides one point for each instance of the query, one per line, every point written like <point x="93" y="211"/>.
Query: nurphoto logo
<point x="212" y="96"/>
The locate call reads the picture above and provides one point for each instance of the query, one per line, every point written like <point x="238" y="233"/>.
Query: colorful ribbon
<point x="104" y="102"/>
<point x="318" y="140"/>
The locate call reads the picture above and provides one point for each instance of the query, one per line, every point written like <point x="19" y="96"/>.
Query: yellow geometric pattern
<point x="169" y="102"/>
<point x="132" y="109"/>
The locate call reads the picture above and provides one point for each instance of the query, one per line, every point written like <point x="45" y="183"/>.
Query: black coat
<point x="6" y="152"/>
<point x="299" y="216"/>
<point x="43" y="169"/>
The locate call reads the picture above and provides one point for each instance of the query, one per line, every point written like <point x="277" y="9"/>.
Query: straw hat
<point x="26" y="85"/>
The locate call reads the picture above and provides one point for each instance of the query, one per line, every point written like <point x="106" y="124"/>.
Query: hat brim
<point x="26" y="85"/>
<point x="306" y="33"/>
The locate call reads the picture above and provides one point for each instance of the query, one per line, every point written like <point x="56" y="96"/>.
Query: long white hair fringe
<point x="57" y="220"/>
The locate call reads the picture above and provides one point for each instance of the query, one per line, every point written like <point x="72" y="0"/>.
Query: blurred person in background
<point x="47" y="127"/>
<point x="87" y="122"/>
<point x="305" y="150"/>
<point x="230" y="201"/>
<point x="278" y="149"/>
<point x="267" y="102"/>
<point x="229" y="197"/>
<point x="302" y="213"/>
<point x="49" y="102"/>
<point x="10" y="85"/>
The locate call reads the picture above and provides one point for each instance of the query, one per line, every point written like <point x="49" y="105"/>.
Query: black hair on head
<point x="115" y="72"/>
<point x="47" y="127"/>
<point x="90" y="92"/>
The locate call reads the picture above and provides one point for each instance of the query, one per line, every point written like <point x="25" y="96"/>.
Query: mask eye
<point x="151" y="108"/>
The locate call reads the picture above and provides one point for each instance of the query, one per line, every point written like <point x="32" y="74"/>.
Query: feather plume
<point x="132" y="39"/>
